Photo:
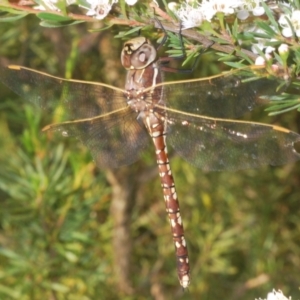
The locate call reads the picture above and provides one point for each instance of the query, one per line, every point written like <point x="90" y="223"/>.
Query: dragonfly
<point x="198" y="118"/>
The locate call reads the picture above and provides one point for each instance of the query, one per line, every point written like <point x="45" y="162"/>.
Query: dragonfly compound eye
<point x="138" y="54"/>
<point x="142" y="57"/>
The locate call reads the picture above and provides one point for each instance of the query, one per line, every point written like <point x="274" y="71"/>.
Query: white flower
<point x="211" y="7"/>
<point x="173" y="6"/>
<point x="247" y="6"/>
<point x="283" y="49"/>
<point x="131" y="2"/>
<point x="99" y="8"/>
<point x="294" y="19"/>
<point x="190" y="15"/>
<point x="242" y="14"/>
<point x="261" y="46"/>
<point x="260" y="61"/>
<point x="48" y="5"/>
<point x="277" y="296"/>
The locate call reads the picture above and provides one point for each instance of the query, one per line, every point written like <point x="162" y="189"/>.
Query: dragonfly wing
<point x="216" y="144"/>
<point x="228" y="96"/>
<point x="68" y="99"/>
<point x="114" y="139"/>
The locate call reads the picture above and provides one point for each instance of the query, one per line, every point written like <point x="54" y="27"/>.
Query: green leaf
<point x="61" y="5"/>
<point x="291" y="27"/>
<point x="52" y="17"/>
<point x="296" y="4"/>
<point x="220" y="41"/>
<point x="174" y="51"/>
<point x="235" y="65"/>
<point x="123" y="34"/>
<point x="101" y="29"/>
<point x="11" y="10"/>
<point x="266" y="28"/>
<point x="244" y="56"/>
<point x="8" y="14"/>
<point x="285" y="110"/>
<point x="50" y="24"/>
<point x="260" y="35"/>
<point x="12" y="18"/>
<point x="270" y="15"/>
<point x="190" y="58"/>
<point x="123" y="8"/>
<point x="278" y="58"/>
<point x="245" y="36"/>
<point x="225" y="56"/>
<point x="283" y="103"/>
<point x="235" y="29"/>
<point x="169" y="11"/>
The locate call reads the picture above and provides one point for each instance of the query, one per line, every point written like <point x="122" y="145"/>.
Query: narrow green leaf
<point x="291" y="27"/>
<point x="235" y="65"/>
<point x="278" y="58"/>
<point x="247" y="36"/>
<point x="270" y="15"/>
<point x="220" y="41"/>
<point x="285" y="110"/>
<point x="190" y="58"/>
<point x="244" y="56"/>
<point x="10" y="18"/>
<point x="174" y="51"/>
<point x="261" y="35"/>
<point x="226" y="57"/>
<point x="101" y="29"/>
<point x="266" y="28"/>
<point x="123" y="34"/>
<point x="50" y="24"/>
<point x="169" y="11"/>
<point x="235" y="29"/>
<point x="275" y="107"/>
<point x="52" y="17"/>
<point x="123" y="8"/>
<point x="11" y="10"/>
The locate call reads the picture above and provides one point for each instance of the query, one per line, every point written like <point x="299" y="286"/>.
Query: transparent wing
<point x="216" y="144"/>
<point x="96" y="114"/>
<point x="69" y="99"/>
<point x="114" y="139"/>
<point x="224" y="96"/>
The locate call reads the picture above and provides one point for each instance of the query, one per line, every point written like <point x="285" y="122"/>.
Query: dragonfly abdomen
<point x="157" y="131"/>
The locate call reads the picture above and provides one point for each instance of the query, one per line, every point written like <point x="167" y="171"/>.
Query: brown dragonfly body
<point x="138" y="57"/>
<point x="194" y="116"/>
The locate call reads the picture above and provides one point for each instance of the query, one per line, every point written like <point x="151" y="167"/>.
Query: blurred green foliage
<point x="242" y="228"/>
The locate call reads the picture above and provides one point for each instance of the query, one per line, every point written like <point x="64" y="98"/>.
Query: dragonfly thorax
<point x="139" y="101"/>
<point x="143" y="75"/>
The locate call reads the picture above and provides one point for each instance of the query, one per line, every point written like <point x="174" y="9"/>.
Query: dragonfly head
<point x="137" y="54"/>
